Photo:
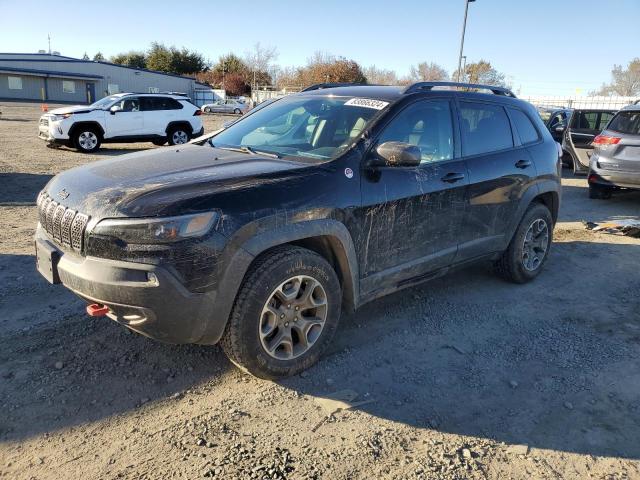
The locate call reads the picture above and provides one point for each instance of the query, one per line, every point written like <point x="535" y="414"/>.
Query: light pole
<point x="464" y="27"/>
<point x="464" y="66"/>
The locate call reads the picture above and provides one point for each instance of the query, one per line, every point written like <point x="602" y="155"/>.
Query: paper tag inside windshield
<point x="367" y="103"/>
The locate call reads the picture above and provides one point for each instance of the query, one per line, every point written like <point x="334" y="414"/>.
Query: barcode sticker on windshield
<point x="367" y="103"/>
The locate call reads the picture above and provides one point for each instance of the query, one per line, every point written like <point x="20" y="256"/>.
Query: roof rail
<point x="321" y="86"/>
<point x="416" y="87"/>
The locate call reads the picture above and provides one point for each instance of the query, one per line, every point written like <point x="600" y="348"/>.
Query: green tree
<point x="98" y="57"/>
<point x="159" y="58"/>
<point x="85" y="56"/>
<point x="131" y="59"/>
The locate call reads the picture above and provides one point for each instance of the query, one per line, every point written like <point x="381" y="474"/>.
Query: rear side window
<point x="605" y="117"/>
<point x="485" y="128"/>
<point x="525" y="129"/>
<point x="160" y="103"/>
<point x="626" y="122"/>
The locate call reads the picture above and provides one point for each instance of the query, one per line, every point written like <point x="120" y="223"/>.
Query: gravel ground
<point x="466" y="377"/>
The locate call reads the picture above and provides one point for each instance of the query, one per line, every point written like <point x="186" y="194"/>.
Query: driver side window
<point x="129" y="105"/>
<point x="426" y="124"/>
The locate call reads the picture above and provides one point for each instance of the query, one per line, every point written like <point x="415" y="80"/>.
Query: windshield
<point x="303" y="126"/>
<point x="105" y="101"/>
<point x="626" y="122"/>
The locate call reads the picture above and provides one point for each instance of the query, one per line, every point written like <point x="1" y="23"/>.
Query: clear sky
<point x="544" y="47"/>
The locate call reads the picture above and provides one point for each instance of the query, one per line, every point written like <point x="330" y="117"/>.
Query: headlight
<point x="156" y="230"/>
<point x="57" y="118"/>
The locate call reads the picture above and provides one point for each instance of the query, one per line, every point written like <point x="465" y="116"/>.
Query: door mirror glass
<point x="398" y="154"/>
<point x="115" y="108"/>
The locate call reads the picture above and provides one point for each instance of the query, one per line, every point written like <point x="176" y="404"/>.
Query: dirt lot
<point x="463" y="377"/>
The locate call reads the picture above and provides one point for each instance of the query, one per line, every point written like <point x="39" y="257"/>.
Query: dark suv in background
<point x="615" y="162"/>
<point x="318" y="202"/>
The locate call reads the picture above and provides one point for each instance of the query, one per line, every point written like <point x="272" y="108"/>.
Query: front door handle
<point x="452" y="177"/>
<point x="523" y="163"/>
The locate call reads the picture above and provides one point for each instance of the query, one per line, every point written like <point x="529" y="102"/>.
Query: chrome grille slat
<point x="50" y="209"/>
<point x="57" y="221"/>
<point x="65" y="226"/>
<point x="77" y="231"/>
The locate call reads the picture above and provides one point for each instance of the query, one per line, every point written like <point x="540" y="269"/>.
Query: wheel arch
<point x="179" y="123"/>
<point x="79" y="125"/>
<point x="328" y="238"/>
<point x="546" y="192"/>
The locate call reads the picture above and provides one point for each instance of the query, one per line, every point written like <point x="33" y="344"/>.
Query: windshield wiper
<point x="250" y="150"/>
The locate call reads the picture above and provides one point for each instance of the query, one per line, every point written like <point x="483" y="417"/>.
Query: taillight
<point x="197" y="112"/>
<point x="606" y="140"/>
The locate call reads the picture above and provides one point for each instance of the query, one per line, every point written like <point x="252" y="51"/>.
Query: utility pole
<point x="464" y="27"/>
<point x="464" y="66"/>
<point x="49" y="38"/>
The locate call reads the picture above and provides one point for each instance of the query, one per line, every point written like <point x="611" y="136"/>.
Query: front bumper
<point x="52" y="132"/>
<point x="146" y="298"/>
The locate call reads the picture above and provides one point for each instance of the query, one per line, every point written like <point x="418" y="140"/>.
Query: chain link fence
<point x="599" y="102"/>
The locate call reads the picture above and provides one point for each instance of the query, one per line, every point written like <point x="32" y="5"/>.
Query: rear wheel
<point x="178" y="136"/>
<point x="86" y="140"/>
<point x="529" y="247"/>
<point x="237" y="111"/>
<point x="207" y="110"/>
<point x="599" y="192"/>
<point x="285" y="314"/>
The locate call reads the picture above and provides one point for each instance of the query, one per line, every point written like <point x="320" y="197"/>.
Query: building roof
<point x="49" y="73"/>
<point x="45" y="57"/>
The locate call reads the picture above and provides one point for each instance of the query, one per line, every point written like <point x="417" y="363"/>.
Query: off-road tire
<point x="81" y="141"/>
<point x="241" y="340"/>
<point x="510" y="265"/>
<point x="599" y="192"/>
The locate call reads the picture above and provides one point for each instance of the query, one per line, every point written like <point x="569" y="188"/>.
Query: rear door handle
<point x="523" y="163"/>
<point x="453" y="177"/>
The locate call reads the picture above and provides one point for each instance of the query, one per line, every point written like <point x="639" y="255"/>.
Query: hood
<point x="71" y="109"/>
<point x="151" y="182"/>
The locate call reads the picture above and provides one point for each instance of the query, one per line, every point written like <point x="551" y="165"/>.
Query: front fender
<point x="239" y="261"/>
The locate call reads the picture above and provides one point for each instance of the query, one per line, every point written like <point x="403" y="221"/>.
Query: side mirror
<point x="398" y="154"/>
<point x="559" y="128"/>
<point x="115" y="108"/>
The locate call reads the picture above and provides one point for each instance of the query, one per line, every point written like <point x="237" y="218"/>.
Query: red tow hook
<point x="97" y="310"/>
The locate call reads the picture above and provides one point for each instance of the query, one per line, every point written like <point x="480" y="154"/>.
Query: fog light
<point x="151" y="278"/>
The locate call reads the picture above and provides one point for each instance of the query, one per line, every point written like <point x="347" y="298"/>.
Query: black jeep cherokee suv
<point x="322" y="200"/>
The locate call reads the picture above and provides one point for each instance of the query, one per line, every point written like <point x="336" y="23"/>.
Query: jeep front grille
<point x="65" y="226"/>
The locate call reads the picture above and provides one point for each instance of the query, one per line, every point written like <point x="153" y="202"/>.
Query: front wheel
<point x="237" y="111"/>
<point x="178" y="136"/>
<point x="86" y="140"/>
<point x="285" y="314"/>
<point x="207" y="110"/>
<point x="529" y="247"/>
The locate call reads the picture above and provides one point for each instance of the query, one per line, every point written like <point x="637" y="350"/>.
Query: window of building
<point x="154" y="90"/>
<point x="526" y="131"/>
<point x="484" y="127"/>
<point x="15" y="83"/>
<point x="426" y="125"/>
<point x="68" y="86"/>
<point x="113" y="88"/>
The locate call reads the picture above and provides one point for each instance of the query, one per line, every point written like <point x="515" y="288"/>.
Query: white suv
<point x="124" y="117"/>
